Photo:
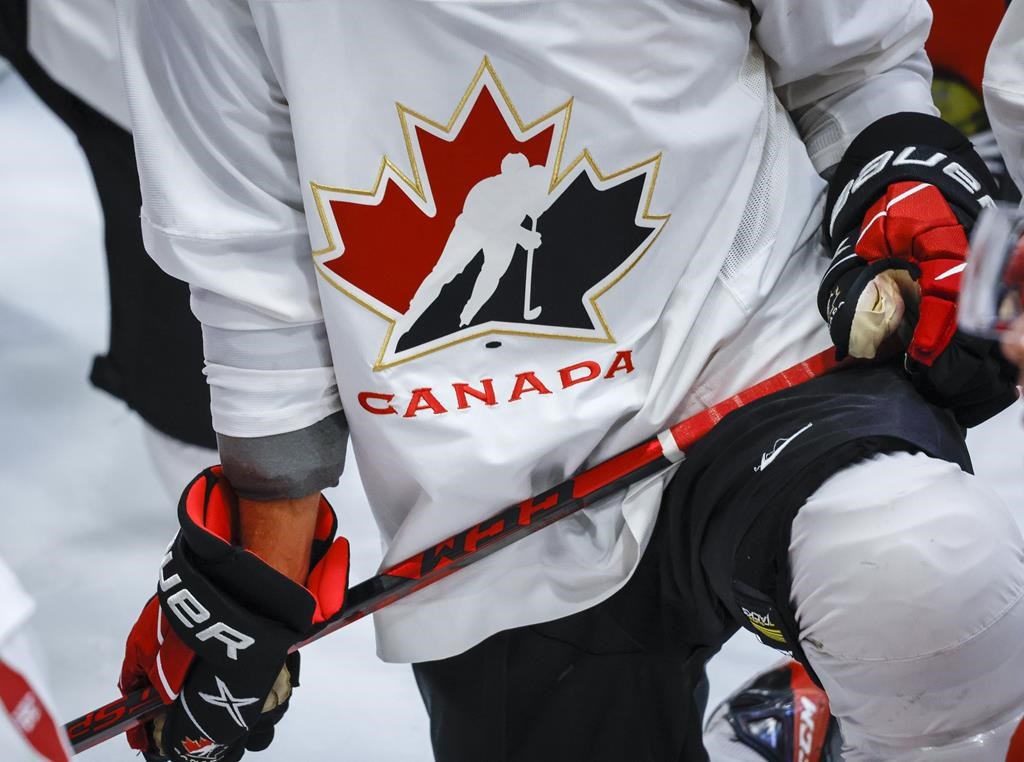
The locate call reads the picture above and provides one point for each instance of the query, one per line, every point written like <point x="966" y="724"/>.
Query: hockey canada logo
<point x="489" y="230"/>
<point x="203" y="750"/>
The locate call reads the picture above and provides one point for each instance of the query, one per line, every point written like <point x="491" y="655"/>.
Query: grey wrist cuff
<point x="285" y="466"/>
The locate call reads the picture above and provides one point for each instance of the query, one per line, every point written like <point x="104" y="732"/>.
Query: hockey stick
<point x="470" y="545"/>
<point x="530" y="312"/>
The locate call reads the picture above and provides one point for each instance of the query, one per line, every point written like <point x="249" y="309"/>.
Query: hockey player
<point x="490" y="225"/>
<point x="1004" y="99"/>
<point x="684" y="142"/>
<point x="28" y="730"/>
<point x="1004" y="89"/>
<point x="957" y="45"/>
<point x="67" y="52"/>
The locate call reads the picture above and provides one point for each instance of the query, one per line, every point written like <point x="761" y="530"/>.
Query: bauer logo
<point x="486" y="228"/>
<point x="190" y="611"/>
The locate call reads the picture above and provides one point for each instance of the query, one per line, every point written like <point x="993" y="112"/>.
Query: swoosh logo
<point x="780" y="444"/>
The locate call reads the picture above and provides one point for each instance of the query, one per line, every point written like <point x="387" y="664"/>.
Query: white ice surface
<point x="84" y="519"/>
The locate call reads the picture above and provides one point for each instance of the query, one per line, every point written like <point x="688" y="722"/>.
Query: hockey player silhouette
<point x="492" y="222"/>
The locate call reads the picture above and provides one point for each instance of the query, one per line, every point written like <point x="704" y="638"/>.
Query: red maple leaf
<point x="193" y="746"/>
<point x="390" y="247"/>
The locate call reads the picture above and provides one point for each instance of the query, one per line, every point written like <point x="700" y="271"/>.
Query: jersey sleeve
<point x="1004" y="90"/>
<point x="222" y="210"/>
<point x="839" y="66"/>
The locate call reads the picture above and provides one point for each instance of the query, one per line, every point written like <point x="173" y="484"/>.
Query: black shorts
<point x="625" y="679"/>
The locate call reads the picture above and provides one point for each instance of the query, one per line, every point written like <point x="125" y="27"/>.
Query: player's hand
<point x="529" y="239"/>
<point x="909" y="251"/>
<point x="214" y="640"/>
<point x="900" y="210"/>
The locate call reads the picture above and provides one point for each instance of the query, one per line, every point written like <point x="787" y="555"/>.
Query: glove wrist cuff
<point x="207" y="514"/>
<point x="218" y="626"/>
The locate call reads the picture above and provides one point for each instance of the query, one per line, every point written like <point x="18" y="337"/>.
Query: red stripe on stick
<point x="612" y="470"/>
<point x="516" y="521"/>
<point x="410" y="569"/>
<point x="689" y="431"/>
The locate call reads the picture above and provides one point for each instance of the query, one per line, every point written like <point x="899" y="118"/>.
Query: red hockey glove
<point x="214" y="639"/>
<point x="900" y="208"/>
<point x="910" y="249"/>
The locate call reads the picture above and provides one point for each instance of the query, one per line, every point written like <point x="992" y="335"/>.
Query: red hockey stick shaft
<point x="470" y="545"/>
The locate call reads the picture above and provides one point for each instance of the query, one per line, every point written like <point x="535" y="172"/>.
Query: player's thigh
<point x="731" y="506"/>
<point x="908" y="585"/>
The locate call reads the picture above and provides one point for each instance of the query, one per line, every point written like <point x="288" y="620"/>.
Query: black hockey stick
<point x="470" y="545"/>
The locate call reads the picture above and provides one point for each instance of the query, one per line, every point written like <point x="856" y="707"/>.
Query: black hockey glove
<point x="214" y="640"/>
<point x="900" y="208"/>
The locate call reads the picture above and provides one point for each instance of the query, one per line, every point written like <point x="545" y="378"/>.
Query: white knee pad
<point x="908" y="579"/>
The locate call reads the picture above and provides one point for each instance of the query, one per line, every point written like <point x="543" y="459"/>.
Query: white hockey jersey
<point x="536" y="232"/>
<point x="15" y="604"/>
<point x="28" y="728"/>
<point x="76" y="42"/>
<point x="1004" y="90"/>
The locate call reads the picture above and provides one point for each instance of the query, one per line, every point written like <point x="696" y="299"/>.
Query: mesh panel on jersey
<point x="764" y="207"/>
<point x="826" y="135"/>
<point x="753" y="75"/>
